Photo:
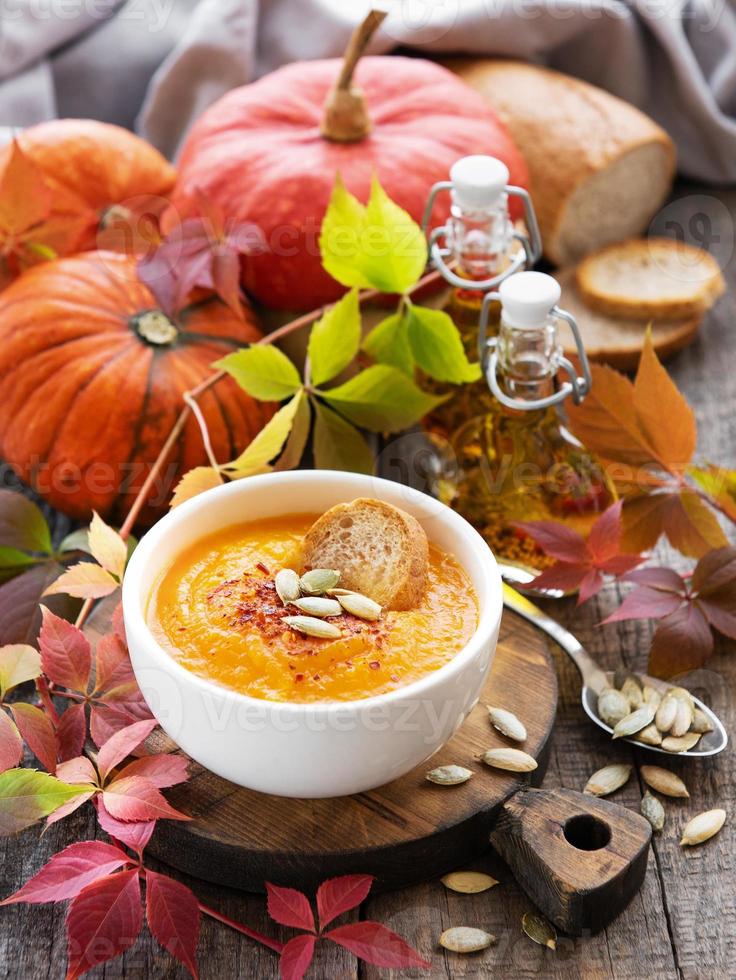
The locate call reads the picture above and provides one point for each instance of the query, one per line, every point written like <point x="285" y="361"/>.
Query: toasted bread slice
<point x="379" y="550"/>
<point x="618" y="341"/>
<point x="650" y="278"/>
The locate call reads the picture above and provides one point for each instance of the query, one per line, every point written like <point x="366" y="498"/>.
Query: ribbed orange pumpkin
<point x="93" y="167"/>
<point x="92" y="378"/>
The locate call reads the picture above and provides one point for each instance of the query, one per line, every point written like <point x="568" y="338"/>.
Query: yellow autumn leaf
<point x="107" y="547"/>
<point x="84" y="580"/>
<point x="194" y="482"/>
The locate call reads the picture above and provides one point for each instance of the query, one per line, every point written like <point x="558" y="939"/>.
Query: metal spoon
<point x="595" y="679"/>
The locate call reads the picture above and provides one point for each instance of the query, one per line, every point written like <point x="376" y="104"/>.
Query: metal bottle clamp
<point x="577" y="386"/>
<point x="526" y="258"/>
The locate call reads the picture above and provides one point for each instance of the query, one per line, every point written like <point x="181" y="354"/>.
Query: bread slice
<point x="647" y="278"/>
<point x="379" y="550"/>
<point x="618" y="341"/>
<point x="600" y="169"/>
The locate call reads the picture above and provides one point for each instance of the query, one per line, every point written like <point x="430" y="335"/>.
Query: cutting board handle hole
<point x="586" y="832"/>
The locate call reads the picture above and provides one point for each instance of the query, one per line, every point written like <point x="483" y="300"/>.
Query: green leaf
<point x="268" y="443"/>
<point x="22" y="525"/>
<point x="388" y="343"/>
<point x="19" y="662"/>
<point x="263" y="371"/>
<point x="335" y="339"/>
<point x="377" y="246"/>
<point x="27" y="795"/>
<point x="719" y="483"/>
<point x="381" y="399"/>
<point x="338" y="445"/>
<point x="436" y="345"/>
<point x="13" y="562"/>
<point x="297" y="441"/>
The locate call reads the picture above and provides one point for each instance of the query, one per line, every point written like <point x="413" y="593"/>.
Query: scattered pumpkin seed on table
<point x="652" y="809"/>
<point x="664" y="781"/>
<point x="507" y="723"/>
<point x="703" y="827"/>
<point x="464" y="939"/>
<point x="468" y="882"/>
<point x="608" y="779"/>
<point x="539" y="930"/>
<point x="513" y="760"/>
<point x="449" y="775"/>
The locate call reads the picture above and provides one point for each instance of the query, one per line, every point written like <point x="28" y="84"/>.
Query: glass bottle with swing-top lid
<point x="515" y="461"/>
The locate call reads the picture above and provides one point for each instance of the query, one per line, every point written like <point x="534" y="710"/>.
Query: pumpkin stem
<point x="155" y="328"/>
<point x="346" y="118"/>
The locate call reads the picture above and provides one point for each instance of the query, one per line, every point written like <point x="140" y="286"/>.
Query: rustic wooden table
<point x="683" y="922"/>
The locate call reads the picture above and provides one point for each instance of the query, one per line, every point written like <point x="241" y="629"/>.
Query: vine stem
<point x="273" y="944"/>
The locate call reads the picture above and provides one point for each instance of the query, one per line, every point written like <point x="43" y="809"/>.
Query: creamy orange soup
<point x="215" y="610"/>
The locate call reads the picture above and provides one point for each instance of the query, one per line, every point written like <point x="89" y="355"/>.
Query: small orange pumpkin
<point x="92" y="376"/>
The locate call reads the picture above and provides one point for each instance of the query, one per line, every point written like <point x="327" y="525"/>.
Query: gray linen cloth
<point x="154" y="65"/>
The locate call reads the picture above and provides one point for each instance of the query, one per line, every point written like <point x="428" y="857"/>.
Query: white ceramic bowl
<point x="308" y="750"/>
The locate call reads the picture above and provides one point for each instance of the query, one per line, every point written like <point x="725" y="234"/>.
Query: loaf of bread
<point x="599" y="168"/>
<point x="379" y="550"/>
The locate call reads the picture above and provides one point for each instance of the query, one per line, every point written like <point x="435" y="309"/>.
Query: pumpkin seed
<point x="287" y="585"/>
<point x="650" y="735"/>
<point x="311" y="626"/>
<point x="514" y="760"/>
<point x="468" y="882"/>
<point x="701" y="722"/>
<point x="664" y="781"/>
<point x="507" y="723"/>
<point x="449" y="775"/>
<point x="612" y="706"/>
<point x="608" y="780"/>
<point x="680" y="743"/>
<point x="464" y="939"/>
<point x="621" y="675"/>
<point x="633" y="693"/>
<point x="652" y="696"/>
<point x="682" y="694"/>
<point x="338" y="592"/>
<point x="703" y="827"/>
<point x="360" y="606"/>
<point x="634" y="722"/>
<point x="539" y="930"/>
<point x="318" y="606"/>
<point x="683" y="719"/>
<point x="666" y="713"/>
<point x="653" y="810"/>
<point x="319" y="580"/>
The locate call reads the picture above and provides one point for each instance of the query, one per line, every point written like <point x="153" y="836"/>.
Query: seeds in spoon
<point x="703" y="827"/>
<point x="633" y="693"/>
<point x="507" y="723"/>
<point x="360" y="606"/>
<point x="608" y="779"/>
<point x="311" y="626"/>
<point x="318" y="606"/>
<point x="287" y="585"/>
<point x="449" y="775"/>
<point x="653" y="810"/>
<point x="539" y="930"/>
<point x="612" y="706"/>
<point x="683" y="719"/>
<point x="634" y="722"/>
<point x="681" y="743"/>
<point x="664" y="781"/>
<point x="701" y="722"/>
<point x="650" y="735"/>
<point x="319" y="580"/>
<point x="468" y="882"/>
<point x="666" y="713"/>
<point x="652" y="696"/>
<point x="514" y="760"/>
<point x="464" y="939"/>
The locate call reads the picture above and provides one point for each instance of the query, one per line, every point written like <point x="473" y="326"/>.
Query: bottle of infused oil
<point x="514" y="460"/>
<point x="475" y="251"/>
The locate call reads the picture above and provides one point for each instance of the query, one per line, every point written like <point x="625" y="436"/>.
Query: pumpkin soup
<point x="217" y="612"/>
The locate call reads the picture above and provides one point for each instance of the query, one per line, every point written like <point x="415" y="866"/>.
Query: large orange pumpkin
<point x="96" y="169"/>
<point x="268" y="153"/>
<point x="92" y="378"/>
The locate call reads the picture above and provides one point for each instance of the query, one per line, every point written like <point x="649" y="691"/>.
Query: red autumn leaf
<point x="65" y="652"/>
<point x="118" y="625"/>
<point x="682" y="640"/>
<point x="112" y="716"/>
<point x="134" y="835"/>
<point x="120" y="745"/>
<point x="20" y="612"/>
<point x="376" y="944"/>
<point x="77" y="771"/>
<point x="112" y="664"/>
<point x="581" y="563"/>
<point x="689" y="524"/>
<point x="162" y="770"/>
<point x="69" y="871"/>
<point x="289" y="907"/>
<point x="338" y="895"/>
<point x="103" y="920"/>
<point x="72" y="732"/>
<point x="137" y="799"/>
<point x="173" y="917"/>
<point x="296" y="957"/>
<point x="11" y="744"/>
<point x="715" y="573"/>
<point x="36" y="728"/>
